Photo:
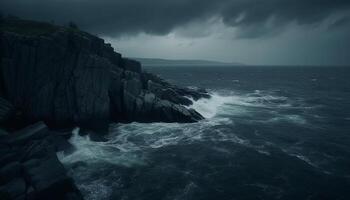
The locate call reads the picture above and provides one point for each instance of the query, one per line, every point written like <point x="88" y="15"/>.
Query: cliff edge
<point x="67" y="77"/>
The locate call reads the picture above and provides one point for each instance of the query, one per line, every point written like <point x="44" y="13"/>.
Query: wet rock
<point x="48" y="177"/>
<point x="30" y="168"/>
<point x="171" y="95"/>
<point x="37" y="149"/>
<point x="32" y="132"/>
<point x="59" y="142"/>
<point x="14" y="189"/>
<point x="169" y="112"/>
<point x="194" y="93"/>
<point x="10" y="171"/>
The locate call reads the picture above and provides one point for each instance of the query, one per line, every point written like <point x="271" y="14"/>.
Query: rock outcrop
<point x="29" y="167"/>
<point x="67" y="77"/>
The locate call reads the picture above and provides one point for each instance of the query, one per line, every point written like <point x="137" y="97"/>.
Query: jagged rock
<point x="194" y="93"/>
<point x="32" y="132"/>
<point x="154" y="87"/>
<point x="172" y="93"/>
<point x="169" y="112"/>
<point x="30" y="168"/>
<point x="48" y="178"/>
<point x="59" y="141"/>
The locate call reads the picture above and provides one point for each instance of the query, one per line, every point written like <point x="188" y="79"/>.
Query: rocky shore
<point x="29" y="167"/>
<point x="54" y="78"/>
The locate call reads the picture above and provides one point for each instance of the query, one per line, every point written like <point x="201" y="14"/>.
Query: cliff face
<point x="67" y="77"/>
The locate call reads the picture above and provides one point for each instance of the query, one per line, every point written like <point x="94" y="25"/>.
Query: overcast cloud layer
<point x="114" y="17"/>
<point x="239" y="21"/>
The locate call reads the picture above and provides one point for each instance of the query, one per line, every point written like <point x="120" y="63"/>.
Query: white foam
<point x="96" y="190"/>
<point x="92" y="152"/>
<point x="128" y="142"/>
<point x="295" y="119"/>
<point x="237" y="104"/>
<point x="305" y="159"/>
<point x="210" y="107"/>
<point x="141" y="136"/>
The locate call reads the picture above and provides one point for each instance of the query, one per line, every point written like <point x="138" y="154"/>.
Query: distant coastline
<point x="169" y="62"/>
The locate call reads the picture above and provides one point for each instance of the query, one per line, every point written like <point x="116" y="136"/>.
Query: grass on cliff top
<point x="31" y="28"/>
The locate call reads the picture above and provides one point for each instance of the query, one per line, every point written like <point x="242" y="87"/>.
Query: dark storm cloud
<point x="122" y="17"/>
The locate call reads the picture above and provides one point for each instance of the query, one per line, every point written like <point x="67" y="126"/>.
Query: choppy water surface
<point x="269" y="133"/>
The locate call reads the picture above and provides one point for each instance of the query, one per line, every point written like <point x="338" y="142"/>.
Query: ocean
<point x="269" y="133"/>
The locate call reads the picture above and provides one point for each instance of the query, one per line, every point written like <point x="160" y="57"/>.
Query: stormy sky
<point x="258" y="32"/>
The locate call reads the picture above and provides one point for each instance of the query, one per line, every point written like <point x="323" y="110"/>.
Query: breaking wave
<point x="228" y="103"/>
<point x="127" y="142"/>
<point x="131" y="145"/>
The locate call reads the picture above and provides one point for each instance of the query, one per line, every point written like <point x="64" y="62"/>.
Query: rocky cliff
<point x="67" y="77"/>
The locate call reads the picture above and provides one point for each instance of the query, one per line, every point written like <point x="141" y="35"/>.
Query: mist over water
<point x="269" y="133"/>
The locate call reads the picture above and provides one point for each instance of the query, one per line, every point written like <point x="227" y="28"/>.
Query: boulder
<point x="36" y="131"/>
<point x="10" y="171"/>
<point x="48" y="179"/>
<point x="14" y="189"/>
<point x="30" y="168"/>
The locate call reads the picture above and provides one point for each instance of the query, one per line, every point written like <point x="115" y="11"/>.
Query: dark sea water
<point x="269" y="133"/>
